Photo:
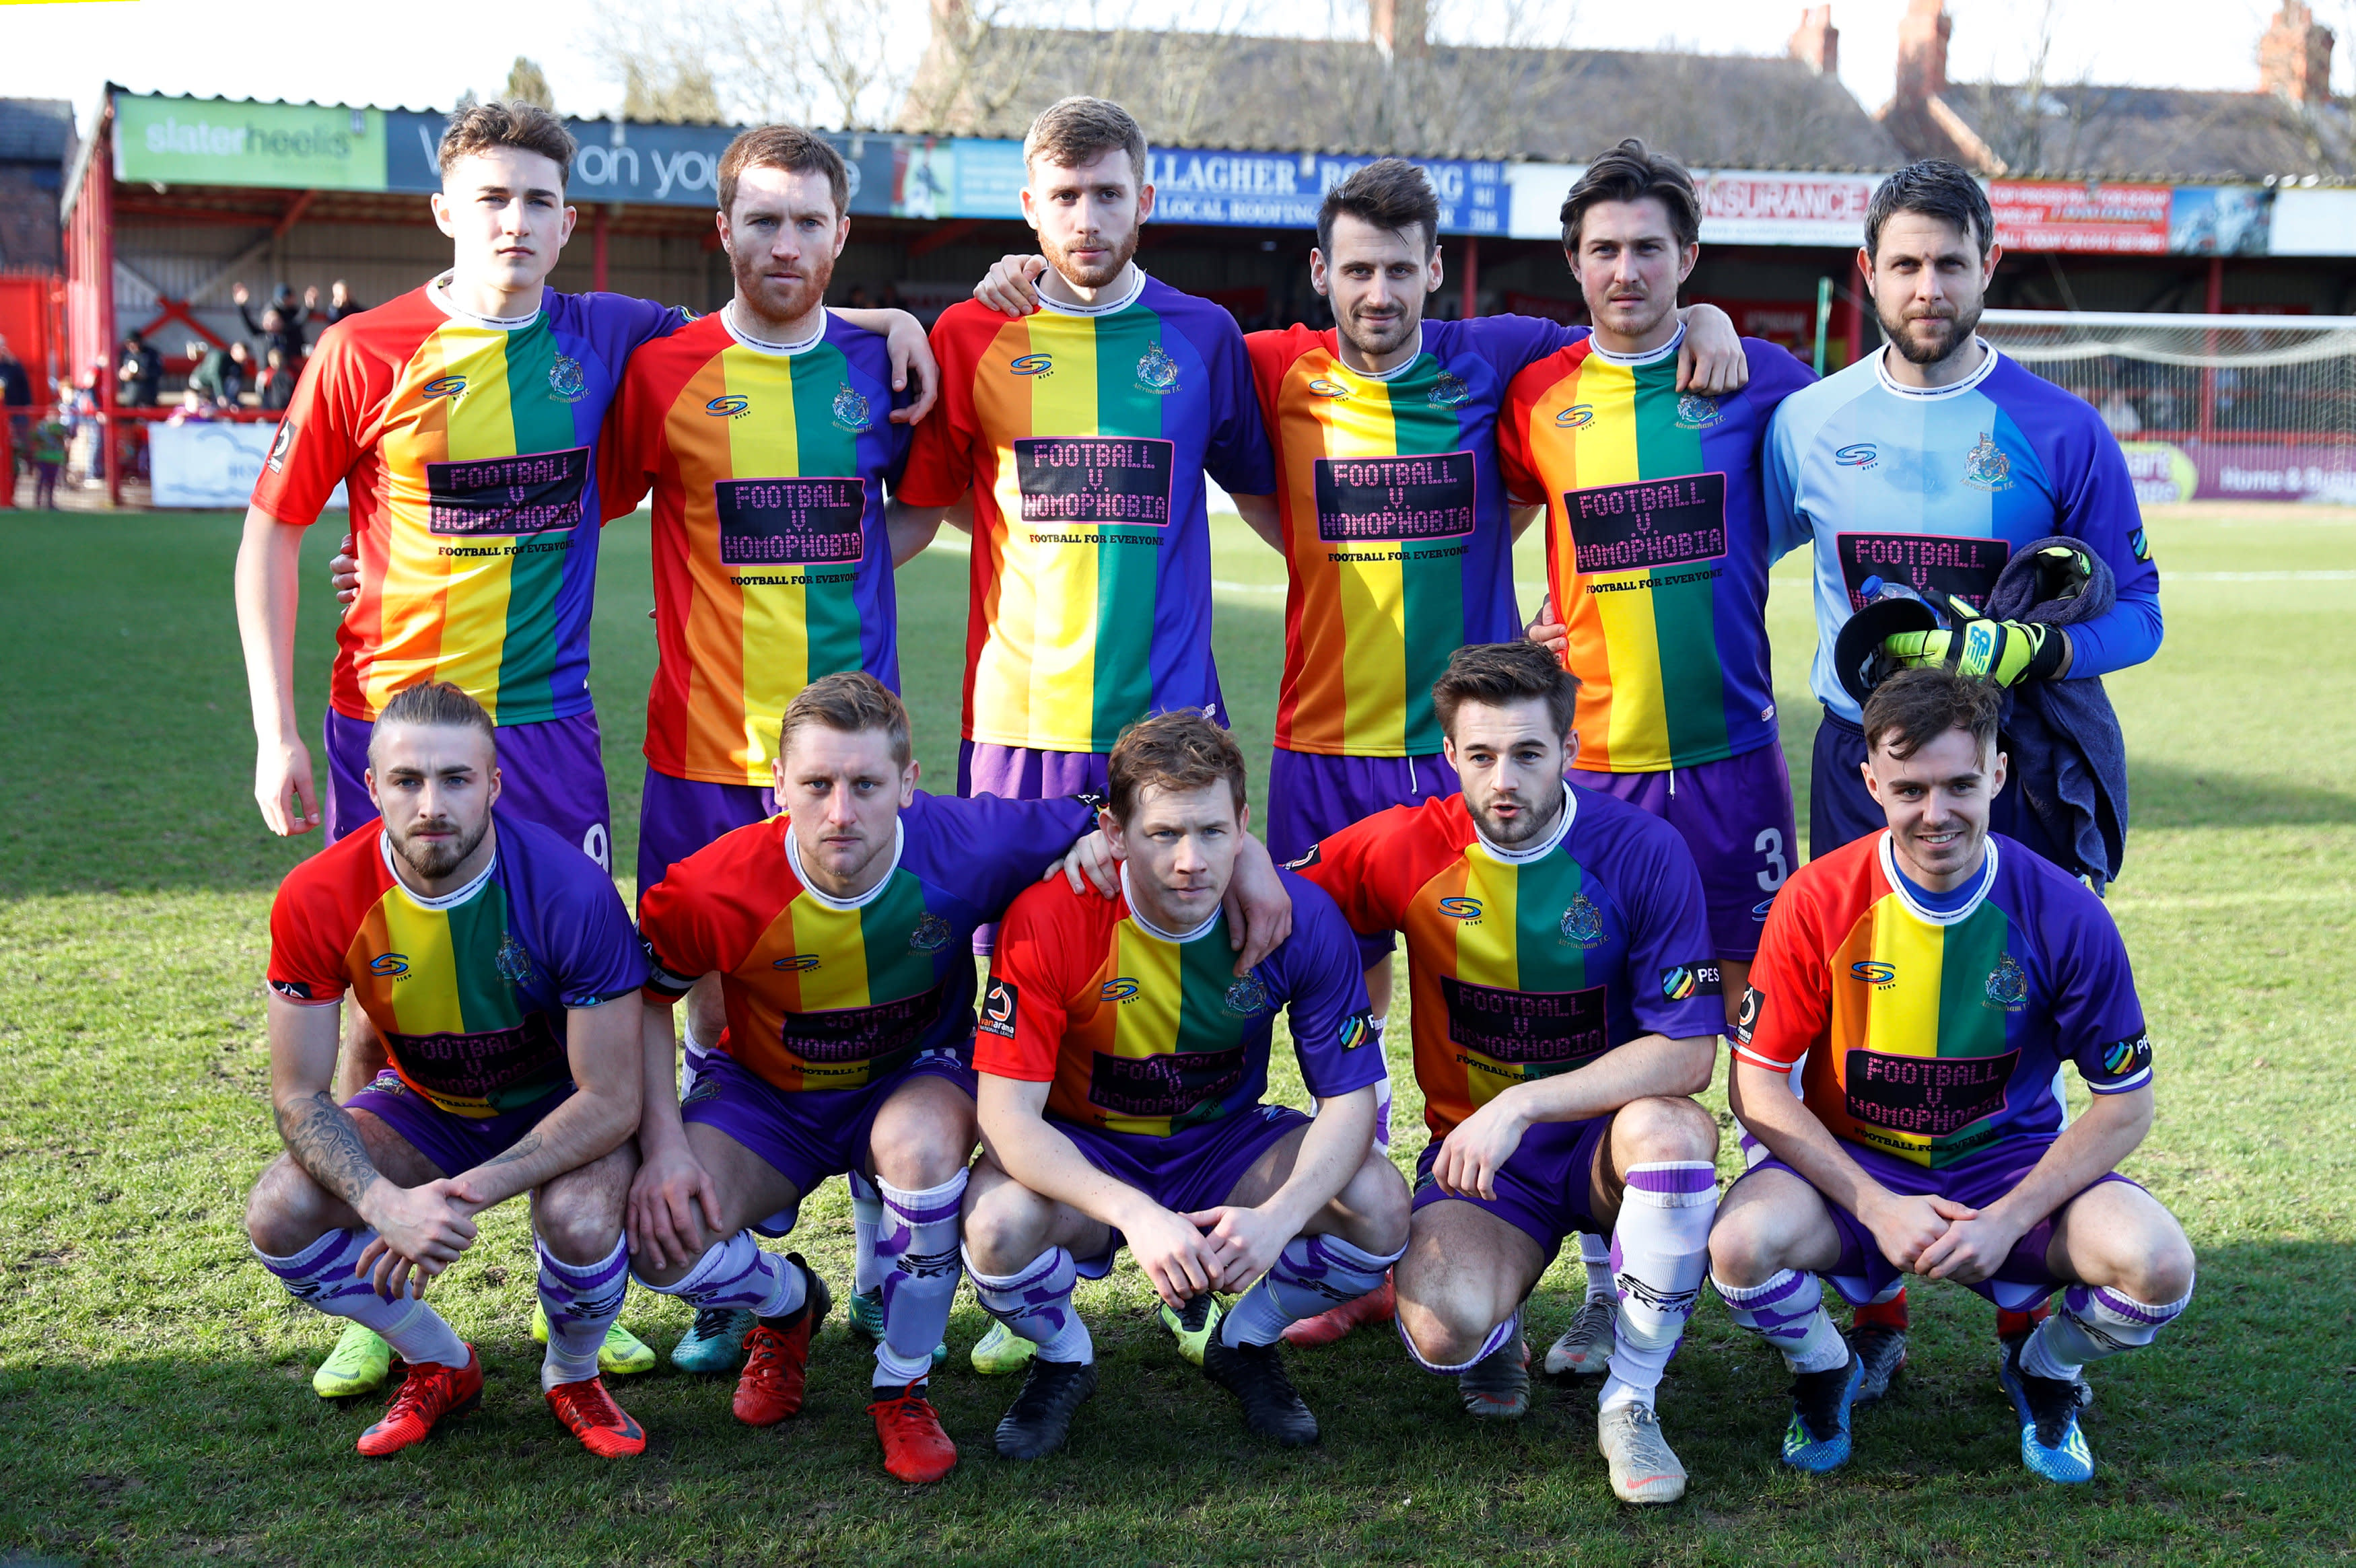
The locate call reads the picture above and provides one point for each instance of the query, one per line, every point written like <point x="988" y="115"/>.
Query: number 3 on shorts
<point x="1770" y="843"/>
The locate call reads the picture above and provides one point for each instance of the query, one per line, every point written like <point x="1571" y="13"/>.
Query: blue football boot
<point x="1817" y="1441"/>
<point x="2051" y="1445"/>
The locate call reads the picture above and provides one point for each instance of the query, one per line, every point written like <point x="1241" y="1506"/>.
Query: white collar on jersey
<point x="762" y="345"/>
<point x="1152" y="930"/>
<point x="1393" y="373"/>
<point x="794" y="860"/>
<point x="444" y="900"/>
<point x="1929" y="394"/>
<point x="1931" y="916"/>
<point x="1543" y="847"/>
<point x="1102" y="307"/>
<point x="438" y="291"/>
<point x="1650" y="355"/>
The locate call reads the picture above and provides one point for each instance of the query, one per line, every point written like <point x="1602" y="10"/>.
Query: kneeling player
<point x="1564" y="1006"/>
<point x="1935" y="976"/>
<point x="1122" y="1064"/>
<point x="498" y="964"/>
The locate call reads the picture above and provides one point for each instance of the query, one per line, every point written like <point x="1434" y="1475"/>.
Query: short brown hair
<point x="1631" y="172"/>
<point x="849" y="702"/>
<point x="1915" y="707"/>
<point x="500" y="123"/>
<point x="1497" y="673"/>
<point x="1080" y="130"/>
<point x="433" y="703"/>
<point x="788" y="147"/>
<point x="1180" y="750"/>
<point x="1389" y="192"/>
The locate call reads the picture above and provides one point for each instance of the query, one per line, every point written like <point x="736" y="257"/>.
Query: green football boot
<point x="359" y="1362"/>
<point x="1193" y="1328"/>
<point x="1001" y="1350"/>
<point x="621" y="1354"/>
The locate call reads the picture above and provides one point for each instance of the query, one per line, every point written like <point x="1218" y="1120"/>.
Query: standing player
<point x="1122" y="1067"/>
<point x="1935" y="976"/>
<point x="1564" y="1006"/>
<point x="1083" y="434"/>
<point x="1927" y="465"/>
<point x="1657" y="572"/>
<point x="840" y="933"/>
<point x="498" y="966"/>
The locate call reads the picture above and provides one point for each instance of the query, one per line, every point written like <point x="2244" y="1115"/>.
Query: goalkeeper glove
<point x="2003" y="652"/>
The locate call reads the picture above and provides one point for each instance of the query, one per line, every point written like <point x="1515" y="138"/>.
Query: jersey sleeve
<point x="1787" y="528"/>
<point x="1775" y="373"/>
<point x="940" y="466"/>
<point x="1325" y="997"/>
<point x="1789" y="1005"/>
<point x="1239" y="455"/>
<point x="2099" y="505"/>
<point x="1020" y="1032"/>
<point x="629" y="448"/>
<point x="1514" y="343"/>
<point x="678" y="943"/>
<point x="1673" y="970"/>
<point x="2098" y="1020"/>
<point x="306" y="964"/>
<point x="1271" y="354"/>
<point x="1360" y="869"/>
<point x="324" y="433"/>
<point x="597" y="956"/>
<point x="1001" y="846"/>
<point x="1515" y="462"/>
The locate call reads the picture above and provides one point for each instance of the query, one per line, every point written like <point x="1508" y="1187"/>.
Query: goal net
<point x="2247" y="407"/>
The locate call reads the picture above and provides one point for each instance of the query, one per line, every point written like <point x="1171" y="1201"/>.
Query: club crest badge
<point x="1248" y="996"/>
<point x="1448" y="391"/>
<point x="2008" y="987"/>
<point x="1157" y="372"/>
<point x="1697" y="412"/>
<point x="851" y="410"/>
<point x="932" y="934"/>
<point x="1987" y="467"/>
<point x="566" y="379"/>
<point x="513" y="962"/>
<point x="1582" y="923"/>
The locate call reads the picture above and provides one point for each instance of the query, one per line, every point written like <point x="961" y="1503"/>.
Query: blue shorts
<point x="1735" y="815"/>
<point x="806" y="1135"/>
<point x="1862" y="1274"/>
<point x="1841" y="811"/>
<point x="554" y="772"/>
<point x="1187" y="1171"/>
<point x="1542" y="1190"/>
<point x="678" y="817"/>
<point x="453" y="1143"/>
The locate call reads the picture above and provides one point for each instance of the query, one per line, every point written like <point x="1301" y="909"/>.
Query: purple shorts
<point x="1188" y="1170"/>
<point x="554" y="772"/>
<point x="678" y="817"/>
<point x="453" y="1143"/>
<point x="1018" y="772"/>
<point x="1312" y="796"/>
<point x="1542" y="1190"/>
<point x="806" y="1135"/>
<point x="1735" y="815"/>
<point x="1863" y="1273"/>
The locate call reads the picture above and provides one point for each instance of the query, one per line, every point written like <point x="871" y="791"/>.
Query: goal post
<point x="2241" y="408"/>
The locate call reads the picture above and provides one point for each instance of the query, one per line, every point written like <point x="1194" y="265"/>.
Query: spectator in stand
<point x="340" y="302"/>
<point x="214" y="375"/>
<point x="88" y="429"/>
<point x="857" y="298"/>
<point x="139" y="379"/>
<point x="48" y="453"/>
<point x="249" y="374"/>
<point x="194" y="408"/>
<point x="281" y="320"/>
<point x="277" y="380"/>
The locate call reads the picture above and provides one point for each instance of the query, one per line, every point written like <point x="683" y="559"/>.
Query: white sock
<point x="1036" y="1301"/>
<point x="1312" y="1275"/>
<point x="582" y="1301"/>
<point x="2093" y="1323"/>
<point x="1595" y="1252"/>
<point x="692" y="1052"/>
<point x="737" y="1274"/>
<point x="919" y="1257"/>
<point x="321" y="1275"/>
<point x="1788" y="1310"/>
<point x="1660" y="1250"/>
<point x="866" y="1219"/>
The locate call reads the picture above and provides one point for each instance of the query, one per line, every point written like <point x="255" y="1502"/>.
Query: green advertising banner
<point x="198" y="141"/>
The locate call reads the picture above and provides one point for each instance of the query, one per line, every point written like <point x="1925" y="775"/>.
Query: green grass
<point x="153" y="1397"/>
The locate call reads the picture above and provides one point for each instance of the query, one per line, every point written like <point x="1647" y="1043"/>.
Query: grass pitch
<point x="155" y="1403"/>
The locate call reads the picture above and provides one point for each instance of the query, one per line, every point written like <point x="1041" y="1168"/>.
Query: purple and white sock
<point x="1382" y="1095"/>
<point x="321" y="1275"/>
<point x="737" y="1273"/>
<point x="2094" y="1322"/>
<point x="1788" y="1310"/>
<point x="866" y="1220"/>
<point x="582" y="1300"/>
<point x="1660" y="1250"/>
<point x="1496" y="1340"/>
<point x="1313" y="1275"/>
<point x="1595" y="1252"/>
<point x="1036" y="1301"/>
<point x="918" y="1252"/>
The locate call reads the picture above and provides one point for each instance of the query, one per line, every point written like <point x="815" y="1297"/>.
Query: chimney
<point x="1397" y="25"/>
<point x="2295" y="56"/>
<point x="1816" y="42"/>
<point x="1923" y="51"/>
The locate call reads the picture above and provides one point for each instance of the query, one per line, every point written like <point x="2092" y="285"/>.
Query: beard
<point x="781" y="303"/>
<point x="1953" y="332"/>
<point x="1095" y="276"/>
<point x="432" y="861"/>
<point x="1376" y="339"/>
<point x="1527" y="827"/>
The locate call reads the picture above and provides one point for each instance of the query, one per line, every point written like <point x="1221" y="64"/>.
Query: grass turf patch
<point x="153" y="1380"/>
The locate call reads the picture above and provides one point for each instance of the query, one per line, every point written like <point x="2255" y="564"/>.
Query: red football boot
<point x="776" y="1356"/>
<point x="915" y="1449"/>
<point x="591" y="1414"/>
<point x="1379" y="1305"/>
<point x="429" y="1392"/>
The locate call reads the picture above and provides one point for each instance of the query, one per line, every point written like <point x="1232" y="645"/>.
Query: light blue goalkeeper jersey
<point x="1938" y="488"/>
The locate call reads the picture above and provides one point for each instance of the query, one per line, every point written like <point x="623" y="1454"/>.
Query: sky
<point x="196" y="46"/>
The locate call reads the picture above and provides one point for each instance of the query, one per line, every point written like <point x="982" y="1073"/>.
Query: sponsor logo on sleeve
<point x="2129" y="1057"/>
<point x="280" y="445"/>
<point x="997" y="1005"/>
<point x="1746" y="1017"/>
<point x="1356" y="1030"/>
<point x="2140" y="543"/>
<point x="1682" y="982"/>
<point x="293" y="990"/>
<point x="1316" y="856"/>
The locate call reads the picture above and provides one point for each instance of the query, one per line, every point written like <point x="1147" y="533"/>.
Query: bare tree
<point x="839" y="63"/>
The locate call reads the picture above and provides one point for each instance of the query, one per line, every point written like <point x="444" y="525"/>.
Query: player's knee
<point x="577" y="1226"/>
<point x="916" y="1154"/>
<point x="1744" y="1251"/>
<point x="1378" y="1201"/>
<point x="1662" y="1128"/>
<point x="1442" y="1333"/>
<point x="286" y="1210"/>
<point x="1005" y="1226"/>
<point x="2164" y="1271"/>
